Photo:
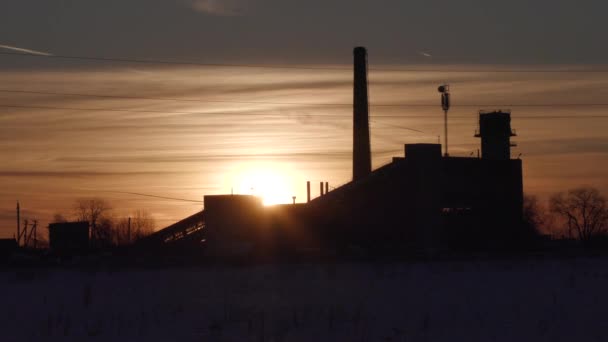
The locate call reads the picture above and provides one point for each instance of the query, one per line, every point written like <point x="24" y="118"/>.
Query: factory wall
<point x="425" y="201"/>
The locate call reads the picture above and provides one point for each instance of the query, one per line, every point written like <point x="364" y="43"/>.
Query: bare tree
<point x="59" y="218"/>
<point x="132" y="228"/>
<point x="142" y="224"/>
<point x="122" y="231"/>
<point x="584" y="210"/>
<point x="94" y="211"/>
<point x="533" y="214"/>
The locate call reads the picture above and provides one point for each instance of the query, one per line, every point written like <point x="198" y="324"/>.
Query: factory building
<point x="421" y="201"/>
<point x="426" y="201"/>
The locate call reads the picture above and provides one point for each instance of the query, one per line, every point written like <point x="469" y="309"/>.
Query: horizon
<point x="153" y="66"/>
<point x="172" y="140"/>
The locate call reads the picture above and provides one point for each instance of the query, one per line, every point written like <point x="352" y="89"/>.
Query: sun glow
<point x="269" y="184"/>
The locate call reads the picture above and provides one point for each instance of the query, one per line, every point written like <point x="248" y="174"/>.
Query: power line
<point x="127" y="97"/>
<point x="169" y="99"/>
<point x="161" y="62"/>
<point x="473" y="116"/>
<point x="398" y="126"/>
<point x="262" y="66"/>
<point x="124" y="110"/>
<point x="154" y="196"/>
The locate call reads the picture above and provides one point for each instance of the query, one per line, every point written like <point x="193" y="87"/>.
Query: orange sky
<point x="188" y="149"/>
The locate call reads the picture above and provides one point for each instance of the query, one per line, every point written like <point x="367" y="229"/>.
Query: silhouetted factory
<point x="421" y="201"/>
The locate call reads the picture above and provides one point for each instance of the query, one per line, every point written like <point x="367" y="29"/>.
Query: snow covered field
<point x="553" y="300"/>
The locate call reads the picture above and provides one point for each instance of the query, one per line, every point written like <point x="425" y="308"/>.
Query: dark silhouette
<point x="362" y="164"/>
<point x="133" y="228"/>
<point x="495" y="133"/>
<point x="7" y="248"/>
<point x="534" y="215"/>
<point x="94" y="210"/>
<point x="68" y="238"/>
<point x="420" y="203"/>
<point x="584" y="212"/>
<point x="187" y="233"/>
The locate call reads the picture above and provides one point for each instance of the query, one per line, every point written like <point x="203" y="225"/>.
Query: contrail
<point x="18" y="49"/>
<point x="425" y="54"/>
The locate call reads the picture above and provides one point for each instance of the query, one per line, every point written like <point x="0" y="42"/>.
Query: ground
<point x="499" y="300"/>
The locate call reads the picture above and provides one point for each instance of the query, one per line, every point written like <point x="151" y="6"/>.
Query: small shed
<point x="69" y="237"/>
<point x="7" y="247"/>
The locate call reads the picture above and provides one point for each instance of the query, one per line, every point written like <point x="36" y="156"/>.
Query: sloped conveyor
<point x="190" y="229"/>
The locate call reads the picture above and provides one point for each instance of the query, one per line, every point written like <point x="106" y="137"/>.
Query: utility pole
<point x="445" y="105"/>
<point x="18" y="223"/>
<point x="24" y="232"/>
<point x="129" y="231"/>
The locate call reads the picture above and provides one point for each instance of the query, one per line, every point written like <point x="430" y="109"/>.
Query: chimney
<point x="320" y="189"/>
<point x="362" y="163"/>
<point x="308" y="191"/>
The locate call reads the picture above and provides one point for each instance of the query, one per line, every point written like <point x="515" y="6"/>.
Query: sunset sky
<point x="83" y="128"/>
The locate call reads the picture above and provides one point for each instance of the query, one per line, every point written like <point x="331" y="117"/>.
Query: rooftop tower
<point x="495" y="133"/>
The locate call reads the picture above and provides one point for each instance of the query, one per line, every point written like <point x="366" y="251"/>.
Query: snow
<point x="539" y="300"/>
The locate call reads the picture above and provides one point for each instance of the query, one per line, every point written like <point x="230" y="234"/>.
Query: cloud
<point x="79" y="174"/>
<point x="11" y="214"/>
<point x="218" y="7"/>
<point x="18" y="49"/>
<point x="557" y="146"/>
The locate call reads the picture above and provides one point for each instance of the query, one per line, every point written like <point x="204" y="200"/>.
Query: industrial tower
<point x="362" y="160"/>
<point x="495" y="133"/>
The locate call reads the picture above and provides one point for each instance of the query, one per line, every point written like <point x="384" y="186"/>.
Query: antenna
<point x="445" y="105"/>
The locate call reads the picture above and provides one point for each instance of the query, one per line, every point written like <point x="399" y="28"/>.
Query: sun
<point x="269" y="184"/>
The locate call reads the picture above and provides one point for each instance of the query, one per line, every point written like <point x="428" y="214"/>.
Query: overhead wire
<point x="120" y="110"/>
<point x="153" y="196"/>
<point x="276" y="66"/>
<point x="154" y="98"/>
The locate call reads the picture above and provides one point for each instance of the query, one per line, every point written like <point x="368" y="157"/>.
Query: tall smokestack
<point x="362" y="160"/>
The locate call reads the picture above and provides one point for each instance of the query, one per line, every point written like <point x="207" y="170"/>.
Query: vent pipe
<point x="308" y="191"/>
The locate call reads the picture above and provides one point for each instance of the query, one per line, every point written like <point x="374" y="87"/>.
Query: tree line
<point x="108" y="229"/>
<point x="580" y="213"/>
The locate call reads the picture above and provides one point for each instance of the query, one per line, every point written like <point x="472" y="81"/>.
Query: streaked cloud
<point x="80" y="174"/>
<point x="219" y="7"/>
<point x="18" y="49"/>
<point x="190" y="132"/>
